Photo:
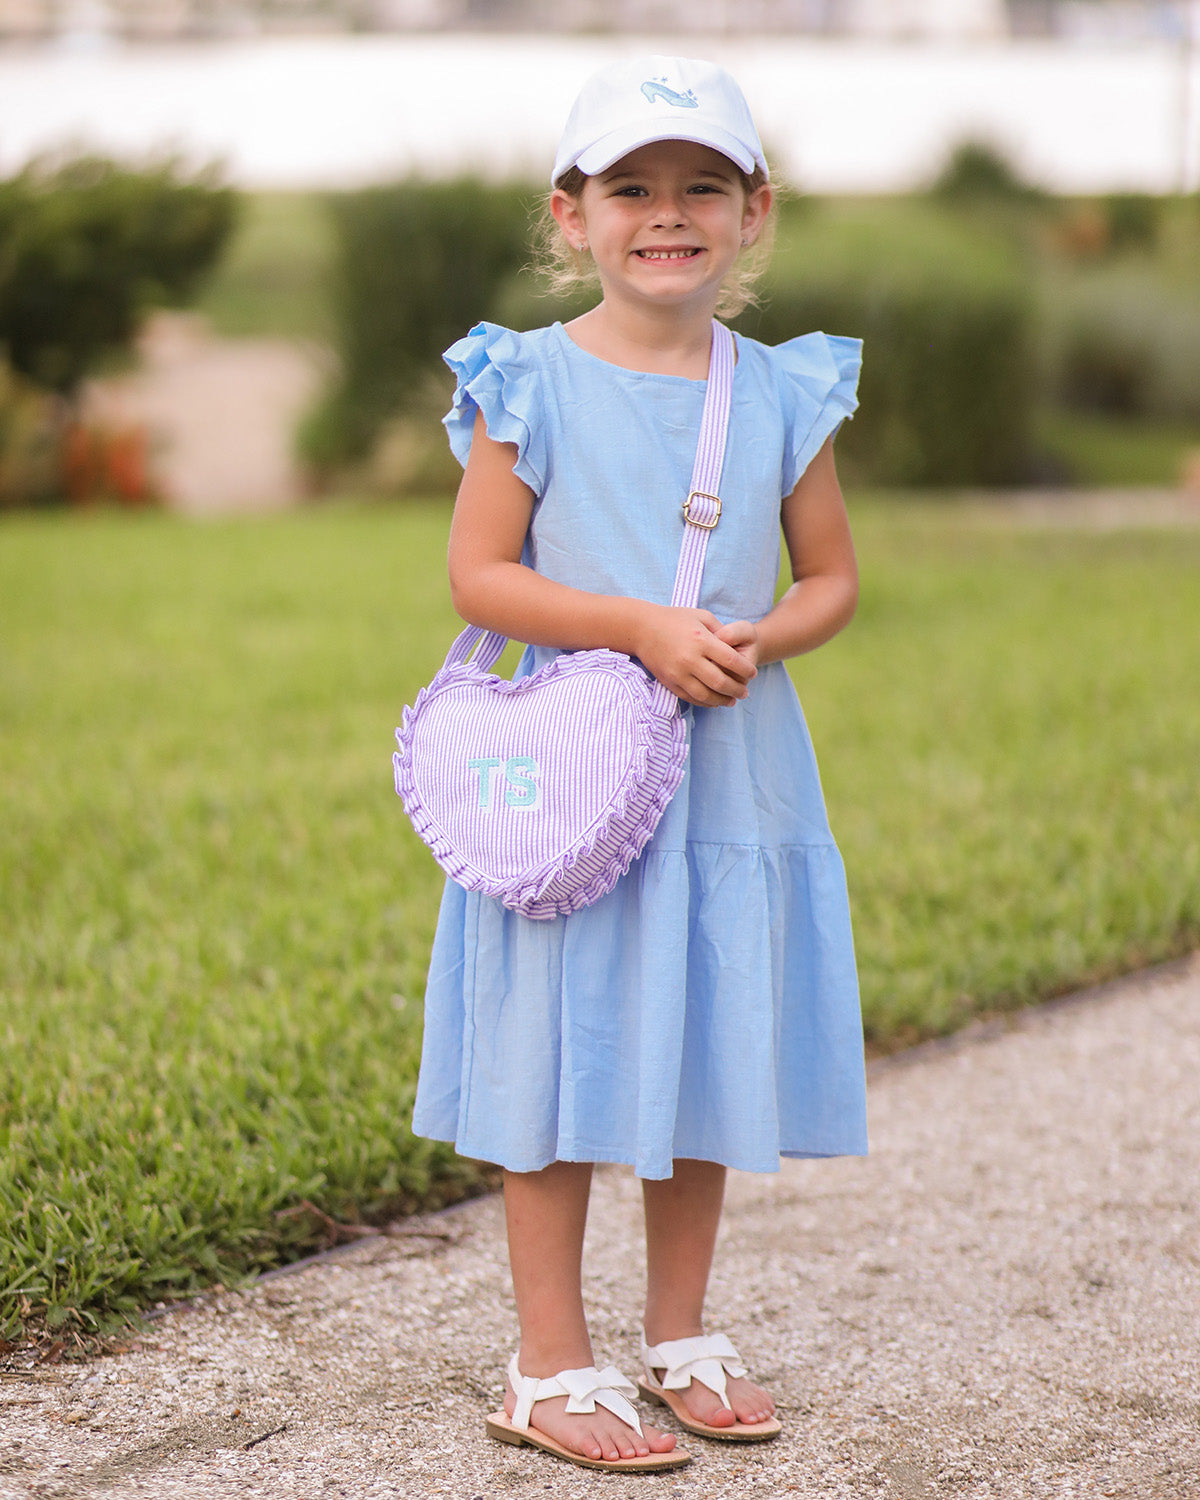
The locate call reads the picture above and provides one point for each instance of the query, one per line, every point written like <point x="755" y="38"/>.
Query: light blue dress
<point x="708" y="1006"/>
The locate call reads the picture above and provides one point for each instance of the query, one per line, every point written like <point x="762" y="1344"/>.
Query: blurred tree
<point x="978" y="172"/>
<point x="87" y="246"/>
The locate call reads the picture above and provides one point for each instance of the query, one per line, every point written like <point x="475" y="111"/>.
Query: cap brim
<point x="601" y="154"/>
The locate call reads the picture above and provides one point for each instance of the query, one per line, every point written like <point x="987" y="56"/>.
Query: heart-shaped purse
<point x="541" y="792"/>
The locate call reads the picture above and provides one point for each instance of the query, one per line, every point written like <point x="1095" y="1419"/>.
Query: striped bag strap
<point x="701" y="512"/>
<point x="702" y="508"/>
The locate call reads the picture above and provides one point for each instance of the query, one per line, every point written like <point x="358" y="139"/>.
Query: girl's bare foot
<point x="596" y="1435"/>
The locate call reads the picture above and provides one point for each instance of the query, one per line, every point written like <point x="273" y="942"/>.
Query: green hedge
<point x="950" y="371"/>
<point x="416" y="264"/>
<point x="1121" y="339"/>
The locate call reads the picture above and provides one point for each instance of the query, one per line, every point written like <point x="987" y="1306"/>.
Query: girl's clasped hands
<point x="702" y="661"/>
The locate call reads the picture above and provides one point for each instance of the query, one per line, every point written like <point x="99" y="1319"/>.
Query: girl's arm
<point x="824" y="594"/>
<point x="492" y="588"/>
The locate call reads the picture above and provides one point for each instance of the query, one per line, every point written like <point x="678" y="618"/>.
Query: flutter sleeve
<point x="497" y="373"/>
<point x="819" y="378"/>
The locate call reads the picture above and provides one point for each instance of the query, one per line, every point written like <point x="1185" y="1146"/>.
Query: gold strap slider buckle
<point x="695" y="520"/>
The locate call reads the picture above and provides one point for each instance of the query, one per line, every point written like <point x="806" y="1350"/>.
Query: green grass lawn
<point x="214" y="919"/>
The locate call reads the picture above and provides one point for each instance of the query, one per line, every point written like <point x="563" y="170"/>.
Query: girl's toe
<point x="753" y="1407"/>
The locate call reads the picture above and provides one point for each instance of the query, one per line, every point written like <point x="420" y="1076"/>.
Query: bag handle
<point x="701" y="512"/>
<point x="491" y="647"/>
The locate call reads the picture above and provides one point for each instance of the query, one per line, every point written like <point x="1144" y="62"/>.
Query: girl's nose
<point x="669" y="214"/>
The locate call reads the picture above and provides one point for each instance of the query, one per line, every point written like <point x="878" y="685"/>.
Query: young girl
<point x="704" y="1014"/>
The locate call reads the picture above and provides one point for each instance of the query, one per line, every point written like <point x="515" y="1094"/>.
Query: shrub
<point x="104" y="462"/>
<point x="416" y="264"/>
<point x="1123" y="341"/>
<point x="1133" y="220"/>
<point x="949" y="381"/>
<point x="30" y="456"/>
<point x="88" y="247"/>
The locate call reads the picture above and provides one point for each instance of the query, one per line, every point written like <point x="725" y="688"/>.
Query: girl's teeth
<point x="666" y="254"/>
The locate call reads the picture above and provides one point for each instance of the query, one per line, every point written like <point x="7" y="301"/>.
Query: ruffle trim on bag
<point x="602" y="853"/>
<point x="494" y="374"/>
<point x="819" y="371"/>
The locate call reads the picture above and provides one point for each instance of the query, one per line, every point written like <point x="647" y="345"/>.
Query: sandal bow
<point x="706" y="1358"/>
<point x="583" y="1389"/>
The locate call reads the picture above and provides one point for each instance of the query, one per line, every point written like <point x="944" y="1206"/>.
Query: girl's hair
<point x="564" y="269"/>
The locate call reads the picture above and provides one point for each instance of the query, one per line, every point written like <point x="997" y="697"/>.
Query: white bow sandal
<point x="708" y="1359"/>
<point x="583" y="1389"/>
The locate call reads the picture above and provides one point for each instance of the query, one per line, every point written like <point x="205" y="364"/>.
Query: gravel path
<point x="1002" y="1301"/>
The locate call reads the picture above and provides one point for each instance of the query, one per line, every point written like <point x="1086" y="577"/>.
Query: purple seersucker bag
<point x="543" y="791"/>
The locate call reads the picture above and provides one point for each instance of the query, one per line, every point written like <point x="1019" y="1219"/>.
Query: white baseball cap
<point x="649" y="99"/>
